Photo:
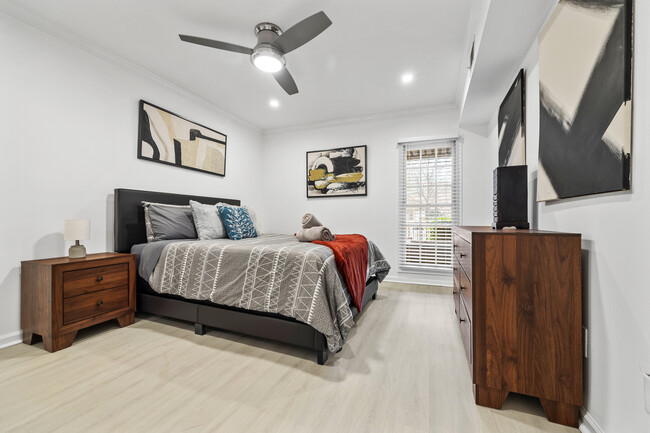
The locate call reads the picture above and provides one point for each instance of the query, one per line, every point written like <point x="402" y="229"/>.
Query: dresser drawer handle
<point x="99" y="278"/>
<point x="462" y="320"/>
<point x="100" y="303"/>
<point x="463" y="255"/>
<point x="463" y="288"/>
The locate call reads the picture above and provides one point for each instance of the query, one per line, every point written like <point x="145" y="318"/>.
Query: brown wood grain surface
<point x="525" y="316"/>
<point x="60" y="296"/>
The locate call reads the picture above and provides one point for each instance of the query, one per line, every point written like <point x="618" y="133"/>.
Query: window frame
<point x="441" y="254"/>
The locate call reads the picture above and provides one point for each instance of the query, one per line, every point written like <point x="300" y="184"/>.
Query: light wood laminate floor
<point x="402" y="370"/>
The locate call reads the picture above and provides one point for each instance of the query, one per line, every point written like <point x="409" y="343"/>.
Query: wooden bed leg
<point x="199" y="329"/>
<point x="322" y="355"/>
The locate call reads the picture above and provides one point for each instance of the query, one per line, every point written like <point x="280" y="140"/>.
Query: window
<point x="429" y="203"/>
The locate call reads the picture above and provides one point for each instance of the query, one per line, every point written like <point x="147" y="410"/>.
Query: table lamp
<point x="76" y="230"/>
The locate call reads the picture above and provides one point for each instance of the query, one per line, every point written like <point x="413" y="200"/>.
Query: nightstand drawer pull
<point x="100" y="303"/>
<point x="100" y="278"/>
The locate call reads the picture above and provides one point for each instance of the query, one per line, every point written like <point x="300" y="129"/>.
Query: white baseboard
<point x="589" y="424"/>
<point x="11" y="339"/>
<point x="430" y="279"/>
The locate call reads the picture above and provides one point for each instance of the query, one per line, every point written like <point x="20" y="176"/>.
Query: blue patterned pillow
<point x="238" y="222"/>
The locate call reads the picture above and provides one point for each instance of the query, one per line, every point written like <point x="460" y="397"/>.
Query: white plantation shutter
<point x="429" y="203"/>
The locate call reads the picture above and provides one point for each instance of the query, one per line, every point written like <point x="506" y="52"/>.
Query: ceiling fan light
<point x="267" y="63"/>
<point x="267" y="58"/>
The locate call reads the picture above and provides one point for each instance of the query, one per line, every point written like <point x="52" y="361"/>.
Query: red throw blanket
<point x="351" y="255"/>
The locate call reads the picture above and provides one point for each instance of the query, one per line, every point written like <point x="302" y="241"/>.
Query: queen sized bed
<point x="271" y="286"/>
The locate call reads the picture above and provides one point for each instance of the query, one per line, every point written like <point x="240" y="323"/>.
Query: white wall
<point x="615" y="237"/>
<point x="69" y="134"/>
<point x="374" y="216"/>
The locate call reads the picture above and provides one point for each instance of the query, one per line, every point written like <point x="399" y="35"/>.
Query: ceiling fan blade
<point x="303" y="32"/>
<point x="216" y="44"/>
<point x="284" y="78"/>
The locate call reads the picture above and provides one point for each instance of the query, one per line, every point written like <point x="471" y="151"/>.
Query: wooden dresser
<point x="62" y="295"/>
<point x="518" y="298"/>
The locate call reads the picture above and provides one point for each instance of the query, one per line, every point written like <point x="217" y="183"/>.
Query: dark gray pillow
<point x="166" y="221"/>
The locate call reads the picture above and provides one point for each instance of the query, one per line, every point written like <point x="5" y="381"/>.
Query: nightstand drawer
<point x="95" y="303"/>
<point x="81" y="281"/>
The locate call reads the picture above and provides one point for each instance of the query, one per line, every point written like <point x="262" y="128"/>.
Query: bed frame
<point x="130" y="230"/>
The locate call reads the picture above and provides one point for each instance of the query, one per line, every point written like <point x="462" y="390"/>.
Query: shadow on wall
<point x="110" y="221"/>
<point x="52" y="245"/>
<point x="10" y="294"/>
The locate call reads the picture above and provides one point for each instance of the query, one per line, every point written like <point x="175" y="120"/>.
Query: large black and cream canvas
<point x="337" y="172"/>
<point x="585" y="68"/>
<point x="512" y="125"/>
<point x="170" y="139"/>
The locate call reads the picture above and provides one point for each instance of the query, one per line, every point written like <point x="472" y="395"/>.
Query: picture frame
<point x="586" y="100"/>
<point x="338" y="172"/>
<point x="167" y="138"/>
<point x="512" y="124"/>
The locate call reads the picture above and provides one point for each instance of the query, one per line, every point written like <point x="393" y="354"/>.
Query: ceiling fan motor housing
<point x="267" y="33"/>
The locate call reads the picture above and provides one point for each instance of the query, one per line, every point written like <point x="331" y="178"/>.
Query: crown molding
<point x="60" y="33"/>
<point x="385" y="115"/>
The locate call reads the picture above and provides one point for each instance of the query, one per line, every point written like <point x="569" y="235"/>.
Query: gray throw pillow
<point x="207" y="221"/>
<point x="166" y="221"/>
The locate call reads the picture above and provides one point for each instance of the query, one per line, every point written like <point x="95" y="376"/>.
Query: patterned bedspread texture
<point x="270" y="273"/>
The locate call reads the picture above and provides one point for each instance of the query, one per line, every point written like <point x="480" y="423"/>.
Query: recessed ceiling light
<point x="274" y="103"/>
<point x="407" y="78"/>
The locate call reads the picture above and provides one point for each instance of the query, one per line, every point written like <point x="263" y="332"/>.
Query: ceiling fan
<point x="272" y="45"/>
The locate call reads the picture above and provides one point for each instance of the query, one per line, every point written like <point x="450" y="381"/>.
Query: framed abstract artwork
<point x="337" y="172"/>
<point x="585" y="68"/>
<point x="512" y="125"/>
<point x="167" y="138"/>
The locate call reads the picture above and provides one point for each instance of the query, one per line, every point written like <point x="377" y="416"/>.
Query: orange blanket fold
<point x="351" y="255"/>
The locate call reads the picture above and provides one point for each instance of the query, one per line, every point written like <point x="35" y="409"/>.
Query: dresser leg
<point x="490" y="397"/>
<point x="561" y="413"/>
<point x="126" y="320"/>
<point x="61" y="342"/>
<point x="30" y="338"/>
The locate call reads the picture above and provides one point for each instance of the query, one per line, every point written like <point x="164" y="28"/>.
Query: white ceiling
<point x="352" y="69"/>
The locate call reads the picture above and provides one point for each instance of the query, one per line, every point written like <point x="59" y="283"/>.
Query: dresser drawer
<point x="81" y="281"/>
<point x="94" y="303"/>
<point x="465" y="290"/>
<point x="466" y="333"/>
<point x="463" y="252"/>
<point x="456" y="288"/>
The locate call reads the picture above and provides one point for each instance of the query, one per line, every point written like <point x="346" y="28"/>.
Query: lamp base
<point x="77" y="251"/>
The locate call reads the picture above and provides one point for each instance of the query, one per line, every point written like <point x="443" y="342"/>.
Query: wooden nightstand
<point x="60" y="296"/>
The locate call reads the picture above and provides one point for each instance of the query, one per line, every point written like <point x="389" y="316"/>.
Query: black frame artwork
<point x="585" y="143"/>
<point x="337" y="169"/>
<point x="512" y="124"/>
<point x="166" y="145"/>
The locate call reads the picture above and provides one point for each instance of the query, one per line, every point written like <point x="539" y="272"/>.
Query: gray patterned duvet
<point x="270" y="273"/>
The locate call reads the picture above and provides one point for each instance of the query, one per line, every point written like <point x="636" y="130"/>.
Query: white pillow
<point x="251" y="212"/>
<point x="207" y="221"/>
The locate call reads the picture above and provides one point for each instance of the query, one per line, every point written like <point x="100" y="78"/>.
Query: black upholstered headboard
<point x="129" y="213"/>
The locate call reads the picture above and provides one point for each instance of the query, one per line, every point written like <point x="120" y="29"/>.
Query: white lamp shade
<point x="76" y="230"/>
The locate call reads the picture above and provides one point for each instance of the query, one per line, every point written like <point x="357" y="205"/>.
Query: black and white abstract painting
<point x="512" y="125"/>
<point x="336" y="172"/>
<point x="170" y="139"/>
<point x="585" y="68"/>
